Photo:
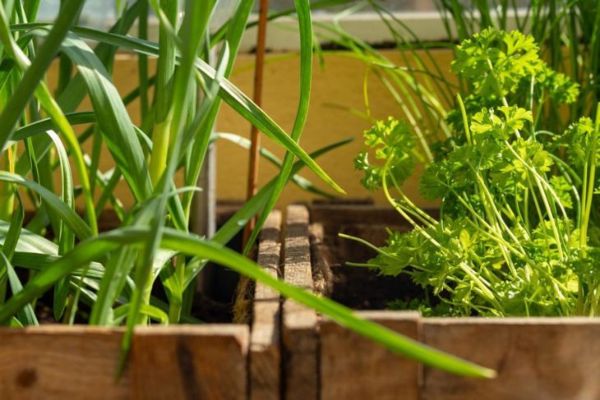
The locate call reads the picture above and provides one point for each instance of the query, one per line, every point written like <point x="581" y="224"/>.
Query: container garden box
<point x="535" y="358"/>
<point x="210" y="361"/>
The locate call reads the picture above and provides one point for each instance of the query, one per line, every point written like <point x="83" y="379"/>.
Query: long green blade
<point x="70" y="217"/>
<point x="306" y="35"/>
<point x="35" y="73"/>
<point x="229" y="92"/>
<point x="111" y="116"/>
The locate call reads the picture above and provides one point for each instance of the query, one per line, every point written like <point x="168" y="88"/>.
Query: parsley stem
<point x="588" y="190"/>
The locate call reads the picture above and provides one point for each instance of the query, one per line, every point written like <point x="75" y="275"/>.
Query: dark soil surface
<point x="212" y="303"/>
<point x="356" y="287"/>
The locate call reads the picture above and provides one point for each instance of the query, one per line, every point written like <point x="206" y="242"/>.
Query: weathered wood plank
<point x="334" y="216"/>
<point x="321" y="257"/>
<point x="300" y="341"/>
<point x="339" y="214"/>
<point x="79" y="362"/>
<point x="536" y="358"/>
<point x="353" y="367"/>
<point x="190" y="362"/>
<point x="265" y="341"/>
<point x="56" y="362"/>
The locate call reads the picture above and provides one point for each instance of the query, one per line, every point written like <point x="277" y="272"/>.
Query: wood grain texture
<point x="265" y="340"/>
<point x="340" y="214"/>
<point x="332" y="216"/>
<point x="56" y="362"/>
<point x="321" y="258"/>
<point x="79" y="362"/>
<point x="300" y="340"/>
<point x="536" y="358"/>
<point x="353" y="367"/>
<point x="190" y="362"/>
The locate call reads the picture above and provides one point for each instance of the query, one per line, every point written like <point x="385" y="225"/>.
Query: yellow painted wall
<point x="337" y="87"/>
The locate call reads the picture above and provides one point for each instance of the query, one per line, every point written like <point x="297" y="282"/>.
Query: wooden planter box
<point x="536" y="358"/>
<point x="211" y="361"/>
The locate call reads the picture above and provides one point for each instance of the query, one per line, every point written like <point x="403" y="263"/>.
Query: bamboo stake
<point x="259" y="64"/>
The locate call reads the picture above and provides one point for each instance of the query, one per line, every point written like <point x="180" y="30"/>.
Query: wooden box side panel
<point x="184" y="362"/>
<point x="353" y="367"/>
<point x="538" y="358"/>
<point x="265" y="340"/>
<point x="60" y="363"/>
<point x="335" y="215"/>
<point x="208" y="362"/>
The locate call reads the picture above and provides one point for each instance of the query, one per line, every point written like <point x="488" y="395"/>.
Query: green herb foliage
<point x="566" y="30"/>
<point x="415" y="77"/>
<point x="518" y="232"/>
<point x="143" y="271"/>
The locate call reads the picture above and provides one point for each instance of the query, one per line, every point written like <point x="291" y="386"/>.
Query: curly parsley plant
<point x="518" y="232"/>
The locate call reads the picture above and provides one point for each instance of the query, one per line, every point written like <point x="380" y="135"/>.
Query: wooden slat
<point x="332" y="216"/>
<point x="56" y="362"/>
<point x="265" y="341"/>
<point x="353" y="367"/>
<point x="300" y="339"/>
<point x="339" y="214"/>
<point x="190" y="362"/>
<point x="79" y="362"/>
<point x="536" y="358"/>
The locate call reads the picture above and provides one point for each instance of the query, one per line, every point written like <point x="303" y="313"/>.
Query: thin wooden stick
<point x="259" y="64"/>
<point x="241" y="305"/>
